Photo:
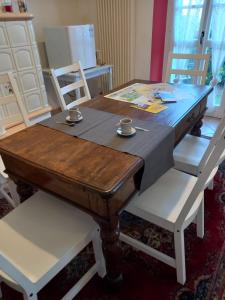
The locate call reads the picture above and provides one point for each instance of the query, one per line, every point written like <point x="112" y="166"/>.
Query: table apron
<point x="92" y="202"/>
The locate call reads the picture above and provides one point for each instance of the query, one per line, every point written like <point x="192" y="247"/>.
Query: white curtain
<point x="187" y="25"/>
<point x="187" y="19"/>
<point x="217" y="38"/>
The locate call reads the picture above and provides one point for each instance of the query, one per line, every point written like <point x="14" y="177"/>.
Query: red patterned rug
<point x="146" y="278"/>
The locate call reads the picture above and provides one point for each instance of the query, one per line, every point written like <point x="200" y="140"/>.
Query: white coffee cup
<point x="75" y="114"/>
<point x="126" y="125"/>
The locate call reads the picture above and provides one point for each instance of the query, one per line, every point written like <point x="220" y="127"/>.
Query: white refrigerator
<point x="68" y="44"/>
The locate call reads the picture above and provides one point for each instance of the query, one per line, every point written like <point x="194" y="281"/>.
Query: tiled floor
<point x="209" y="126"/>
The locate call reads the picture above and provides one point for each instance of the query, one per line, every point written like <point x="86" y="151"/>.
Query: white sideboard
<point x="19" y="55"/>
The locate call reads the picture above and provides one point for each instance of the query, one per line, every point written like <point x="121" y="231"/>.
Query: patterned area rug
<point x="146" y="278"/>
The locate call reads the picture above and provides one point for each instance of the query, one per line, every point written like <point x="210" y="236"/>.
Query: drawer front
<point x="23" y="58"/>
<point x="6" y="61"/>
<point x="187" y="123"/>
<point x="4" y="42"/>
<point x="29" y="80"/>
<point x="17" y="33"/>
<point x="33" y="100"/>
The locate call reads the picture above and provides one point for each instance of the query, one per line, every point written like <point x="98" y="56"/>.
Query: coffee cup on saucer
<point x="126" y="125"/>
<point x="74" y="115"/>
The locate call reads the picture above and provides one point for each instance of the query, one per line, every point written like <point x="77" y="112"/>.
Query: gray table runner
<point x="155" y="146"/>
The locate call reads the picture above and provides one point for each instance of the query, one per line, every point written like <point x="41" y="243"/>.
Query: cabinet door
<point x="17" y="33"/>
<point x="30" y="28"/>
<point x="33" y="100"/>
<point x="29" y="81"/>
<point x="40" y="77"/>
<point x="36" y="56"/>
<point x="6" y="61"/>
<point x="23" y="58"/>
<point x="4" y="42"/>
<point x="44" y="96"/>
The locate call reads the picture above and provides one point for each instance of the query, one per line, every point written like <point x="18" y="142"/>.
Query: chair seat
<point x="189" y="153"/>
<point x="164" y="200"/>
<point x="40" y="232"/>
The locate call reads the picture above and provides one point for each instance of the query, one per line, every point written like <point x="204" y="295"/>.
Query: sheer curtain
<point x="187" y="20"/>
<point x="216" y="102"/>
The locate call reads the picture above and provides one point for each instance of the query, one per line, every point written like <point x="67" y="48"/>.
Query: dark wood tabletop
<point x="98" y="179"/>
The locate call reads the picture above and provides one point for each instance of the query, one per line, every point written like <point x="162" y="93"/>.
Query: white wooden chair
<point x="39" y="238"/>
<point x="9" y="124"/>
<point x="189" y="155"/>
<point x="172" y="203"/>
<point x="11" y="100"/>
<point x="198" y="74"/>
<point x="75" y="86"/>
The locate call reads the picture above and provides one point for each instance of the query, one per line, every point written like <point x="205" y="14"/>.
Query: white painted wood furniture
<point x="19" y="55"/>
<point x="172" y="203"/>
<point x="12" y="119"/>
<point x="199" y="72"/>
<point x="75" y="86"/>
<point x="12" y="98"/>
<point x="72" y="77"/>
<point x="191" y="153"/>
<point x="39" y="238"/>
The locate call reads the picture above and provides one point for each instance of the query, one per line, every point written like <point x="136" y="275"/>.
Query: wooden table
<point x="97" y="179"/>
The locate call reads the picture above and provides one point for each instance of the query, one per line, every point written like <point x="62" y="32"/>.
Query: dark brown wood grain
<point x="95" y="178"/>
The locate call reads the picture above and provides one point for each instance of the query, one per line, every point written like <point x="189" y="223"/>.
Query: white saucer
<point x="70" y="121"/>
<point x="119" y="132"/>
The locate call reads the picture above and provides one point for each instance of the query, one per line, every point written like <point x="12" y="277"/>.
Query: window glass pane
<point x="187" y="22"/>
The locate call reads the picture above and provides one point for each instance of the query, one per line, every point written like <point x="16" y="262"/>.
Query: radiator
<point x="116" y="37"/>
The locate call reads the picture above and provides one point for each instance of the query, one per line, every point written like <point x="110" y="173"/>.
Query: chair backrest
<point x="75" y="86"/>
<point x="198" y="73"/>
<point x="211" y="161"/>
<point x="11" y="101"/>
<point x="212" y="143"/>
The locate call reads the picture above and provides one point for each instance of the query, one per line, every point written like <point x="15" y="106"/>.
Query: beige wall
<point x="67" y="12"/>
<point x="143" y="37"/>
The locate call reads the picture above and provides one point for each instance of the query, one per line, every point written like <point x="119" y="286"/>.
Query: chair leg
<point x="30" y="297"/>
<point x="211" y="185"/>
<point x="13" y="191"/>
<point x="99" y="257"/>
<point x="180" y="256"/>
<point x="200" y="220"/>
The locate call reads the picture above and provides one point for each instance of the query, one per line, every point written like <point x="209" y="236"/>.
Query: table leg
<point x="110" y="79"/>
<point x="24" y="189"/>
<point x="196" y="130"/>
<point x="112" y="251"/>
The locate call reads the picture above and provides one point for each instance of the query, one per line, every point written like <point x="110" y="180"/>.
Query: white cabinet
<point x="4" y="42"/>
<point x="6" y="61"/>
<point x="23" y="58"/>
<point x="19" y="54"/>
<point x="17" y="33"/>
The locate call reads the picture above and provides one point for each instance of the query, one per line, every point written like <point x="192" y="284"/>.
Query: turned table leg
<point x="196" y="130"/>
<point x="112" y="251"/>
<point x="25" y="190"/>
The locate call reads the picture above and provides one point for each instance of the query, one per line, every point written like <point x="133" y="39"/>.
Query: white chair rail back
<point x="7" y="99"/>
<point x="199" y="72"/>
<point x="75" y="86"/>
<point x="211" y="162"/>
<point x="218" y="134"/>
